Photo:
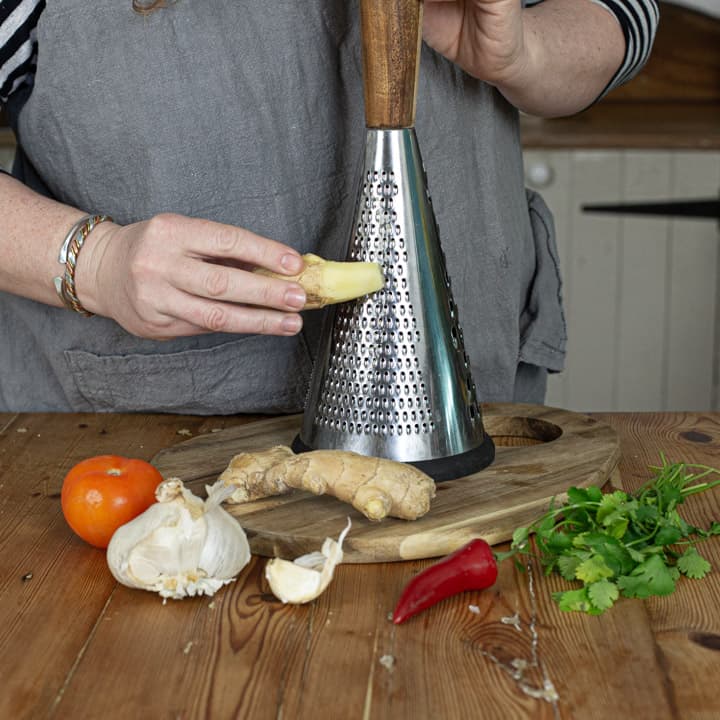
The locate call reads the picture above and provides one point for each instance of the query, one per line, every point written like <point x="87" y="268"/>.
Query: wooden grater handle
<point x="391" y="36"/>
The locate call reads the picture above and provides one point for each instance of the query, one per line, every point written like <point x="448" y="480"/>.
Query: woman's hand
<point x="484" y="37"/>
<point x="176" y="276"/>
<point x="551" y="59"/>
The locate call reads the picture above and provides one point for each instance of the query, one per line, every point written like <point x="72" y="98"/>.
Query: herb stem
<point x="700" y="487"/>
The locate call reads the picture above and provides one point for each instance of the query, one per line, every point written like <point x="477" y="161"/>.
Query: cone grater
<point x="392" y="378"/>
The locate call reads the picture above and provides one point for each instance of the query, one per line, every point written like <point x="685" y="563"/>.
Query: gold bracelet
<point x="69" y="250"/>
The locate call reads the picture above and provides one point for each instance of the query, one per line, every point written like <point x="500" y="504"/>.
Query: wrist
<point x="87" y="272"/>
<point x="519" y="78"/>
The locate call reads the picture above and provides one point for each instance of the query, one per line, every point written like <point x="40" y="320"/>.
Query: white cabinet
<point x="6" y="157"/>
<point x="642" y="293"/>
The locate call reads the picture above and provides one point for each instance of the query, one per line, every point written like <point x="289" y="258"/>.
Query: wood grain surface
<point x="77" y="645"/>
<point x="684" y="64"/>
<point x="391" y="33"/>
<point x="541" y="452"/>
<point x="628" y="125"/>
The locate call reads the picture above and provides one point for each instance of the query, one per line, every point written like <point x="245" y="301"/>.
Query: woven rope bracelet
<point x="69" y="251"/>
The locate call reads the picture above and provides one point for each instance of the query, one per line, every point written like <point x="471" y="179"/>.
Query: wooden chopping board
<point x="540" y="453"/>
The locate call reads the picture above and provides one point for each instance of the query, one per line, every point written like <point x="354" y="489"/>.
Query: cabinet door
<point x="6" y="157"/>
<point x="642" y="293"/>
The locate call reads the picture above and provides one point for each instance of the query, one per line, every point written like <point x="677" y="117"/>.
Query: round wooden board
<point x="541" y="452"/>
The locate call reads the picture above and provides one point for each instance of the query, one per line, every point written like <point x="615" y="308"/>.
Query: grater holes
<point x="376" y="338"/>
<point x="454" y="337"/>
<point x="387" y="189"/>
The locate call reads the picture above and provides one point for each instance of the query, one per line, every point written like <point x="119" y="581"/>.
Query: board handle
<point x="391" y="36"/>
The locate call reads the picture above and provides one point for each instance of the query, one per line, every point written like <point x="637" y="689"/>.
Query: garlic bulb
<point x="306" y="577"/>
<point x="179" y="546"/>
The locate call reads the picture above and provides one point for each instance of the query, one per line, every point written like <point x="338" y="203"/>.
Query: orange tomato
<point x="102" y="493"/>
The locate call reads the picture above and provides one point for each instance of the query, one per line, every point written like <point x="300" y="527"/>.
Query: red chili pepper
<point x="472" y="567"/>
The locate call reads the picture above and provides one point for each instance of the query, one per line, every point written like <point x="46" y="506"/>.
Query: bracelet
<point x="69" y="250"/>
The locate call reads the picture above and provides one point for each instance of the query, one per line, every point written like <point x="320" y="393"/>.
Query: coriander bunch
<point x="617" y="544"/>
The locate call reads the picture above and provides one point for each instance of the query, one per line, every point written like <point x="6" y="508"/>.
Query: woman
<point x="220" y="136"/>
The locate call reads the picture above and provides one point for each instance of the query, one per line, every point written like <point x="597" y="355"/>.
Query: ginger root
<point x="376" y="487"/>
<point x="327" y="282"/>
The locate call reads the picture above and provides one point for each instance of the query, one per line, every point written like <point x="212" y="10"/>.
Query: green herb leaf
<point x="651" y="577"/>
<point x="546" y="525"/>
<point x="609" y="504"/>
<point x="593" y="569"/>
<point x="693" y="564"/>
<point x="670" y="495"/>
<point x="618" y="527"/>
<point x="520" y="537"/>
<point x="616" y="556"/>
<point x="668" y="535"/>
<point x="646" y="514"/>
<point x="578" y="496"/>
<point x="558" y="542"/>
<point x="581" y="540"/>
<point x="603" y="594"/>
<point x="594" y="493"/>
<point x="673" y="519"/>
<point x="636" y="555"/>
<point x="568" y="564"/>
<point x="576" y="601"/>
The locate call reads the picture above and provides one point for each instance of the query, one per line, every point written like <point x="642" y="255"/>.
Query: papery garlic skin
<point x="306" y="577"/>
<point x="181" y="546"/>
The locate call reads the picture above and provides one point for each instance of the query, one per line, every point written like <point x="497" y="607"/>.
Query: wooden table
<point x="76" y="645"/>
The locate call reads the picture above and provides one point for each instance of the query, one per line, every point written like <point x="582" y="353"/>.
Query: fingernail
<point x="295" y="298"/>
<point x="291" y="262"/>
<point x="291" y="324"/>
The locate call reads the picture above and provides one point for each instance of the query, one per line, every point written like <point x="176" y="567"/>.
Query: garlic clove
<point x="180" y="546"/>
<point x="293" y="583"/>
<point x="305" y="578"/>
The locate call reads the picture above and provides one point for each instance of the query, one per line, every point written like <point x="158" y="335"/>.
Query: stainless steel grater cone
<point x="392" y="378"/>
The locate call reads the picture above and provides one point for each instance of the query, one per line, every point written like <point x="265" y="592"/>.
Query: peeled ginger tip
<point x="328" y="282"/>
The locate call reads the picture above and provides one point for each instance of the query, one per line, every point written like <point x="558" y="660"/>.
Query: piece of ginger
<point x="376" y="487"/>
<point x="327" y="282"/>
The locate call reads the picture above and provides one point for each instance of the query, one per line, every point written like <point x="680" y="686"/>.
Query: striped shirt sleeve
<point x="18" y="44"/>
<point x="638" y="20"/>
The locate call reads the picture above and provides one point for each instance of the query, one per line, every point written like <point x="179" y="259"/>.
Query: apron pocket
<point x="253" y="374"/>
<point x="542" y="323"/>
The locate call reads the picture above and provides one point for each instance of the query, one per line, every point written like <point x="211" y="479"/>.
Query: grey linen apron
<point x="251" y="113"/>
